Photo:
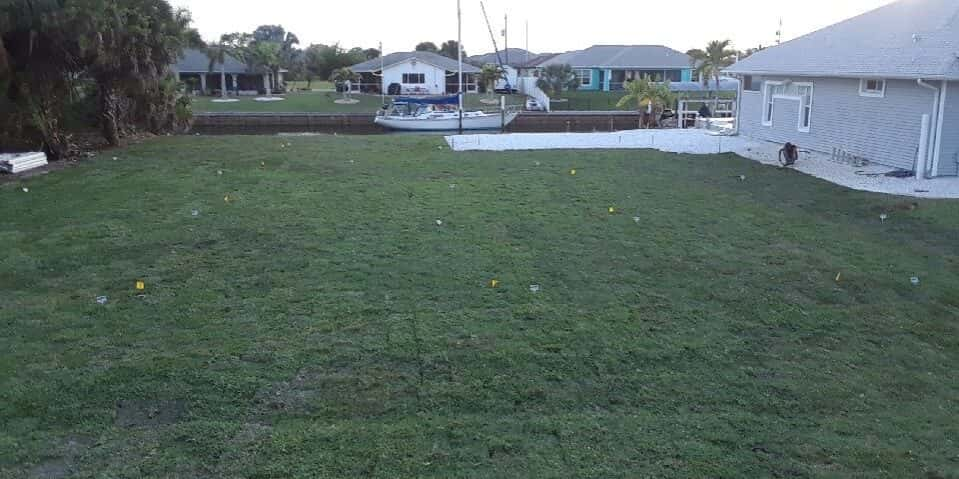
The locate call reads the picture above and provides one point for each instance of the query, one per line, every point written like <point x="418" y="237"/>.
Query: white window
<point x="584" y="76"/>
<point x="872" y="87"/>
<point x="414" y="78"/>
<point x="770" y="90"/>
<point x="805" y="106"/>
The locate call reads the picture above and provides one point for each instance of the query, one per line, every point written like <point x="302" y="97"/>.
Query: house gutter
<point x="929" y="149"/>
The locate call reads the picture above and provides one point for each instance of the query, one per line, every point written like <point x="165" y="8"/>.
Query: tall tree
<point x="647" y="95"/>
<point x="427" y="47"/>
<point x="314" y="63"/>
<point x="269" y="33"/>
<point x="555" y="79"/>
<point x="265" y="56"/>
<point x="371" y="53"/>
<point x="450" y="48"/>
<point x="709" y="63"/>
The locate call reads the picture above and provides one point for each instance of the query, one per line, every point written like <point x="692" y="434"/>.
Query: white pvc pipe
<point x="923" y="149"/>
<point x="937" y="151"/>
<point x="931" y="136"/>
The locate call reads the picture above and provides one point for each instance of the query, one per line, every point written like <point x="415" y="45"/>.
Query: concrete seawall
<point x="362" y="123"/>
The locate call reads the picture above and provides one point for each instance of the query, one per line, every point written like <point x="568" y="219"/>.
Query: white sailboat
<point x="435" y="113"/>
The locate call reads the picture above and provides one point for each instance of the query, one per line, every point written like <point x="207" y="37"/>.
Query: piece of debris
<point x="439" y="222"/>
<point x="102" y="300"/>
<point x="742" y="177"/>
<point x="494" y="283"/>
<point x="612" y="210"/>
<point x="226" y="199"/>
<point x="195" y="213"/>
<point x="115" y="158"/>
<point x="26" y="190"/>
<point x="914" y="280"/>
<point x="572" y="172"/>
<point x="537" y="163"/>
<point x="219" y="172"/>
<point x="636" y="219"/>
<point x="883" y="217"/>
<point x="140" y="285"/>
<point x="453" y="186"/>
<point x="20" y="162"/>
<point x="838" y="276"/>
<point x="534" y="288"/>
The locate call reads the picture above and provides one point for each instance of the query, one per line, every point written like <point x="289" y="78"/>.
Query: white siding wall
<point x="949" y="154"/>
<point x="882" y="130"/>
<point x="435" y="77"/>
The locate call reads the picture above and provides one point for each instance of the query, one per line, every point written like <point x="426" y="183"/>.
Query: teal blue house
<point x="609" y="67"/>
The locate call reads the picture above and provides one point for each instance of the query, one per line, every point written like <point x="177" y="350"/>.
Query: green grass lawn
<point x="315" y="85"/>
<point x="314" y="320"/>
<point x="593" y="101"/>
<point x="325" y="102"/>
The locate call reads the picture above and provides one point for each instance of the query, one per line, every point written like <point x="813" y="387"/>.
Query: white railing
<point x="527" y="86"/>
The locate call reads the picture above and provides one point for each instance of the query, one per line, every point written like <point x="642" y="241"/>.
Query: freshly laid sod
<point x="315" y="320"/>
<point x="325" y="102"/>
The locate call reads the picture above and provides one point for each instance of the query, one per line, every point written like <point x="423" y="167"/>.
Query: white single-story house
<point x="414" y="73"/>
<point x="193" y="68"/>
<point x="882" y="86"/>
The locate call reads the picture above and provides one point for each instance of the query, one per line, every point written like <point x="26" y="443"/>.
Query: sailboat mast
<point x="506" y="36"/>
<point x="459" y="51"/>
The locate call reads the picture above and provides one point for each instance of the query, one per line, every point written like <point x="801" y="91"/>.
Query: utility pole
<point x="779" y="33"/>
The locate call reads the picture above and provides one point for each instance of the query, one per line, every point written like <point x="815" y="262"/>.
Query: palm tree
<point x="709" y="63"/>
<point x="342" y="76"/>
<point x="265" y="55"/>
<point x="488" y="76"/>
<point x="648" y="96"/>
<point x="218" y="53"/>
<point x="557" y="78"/>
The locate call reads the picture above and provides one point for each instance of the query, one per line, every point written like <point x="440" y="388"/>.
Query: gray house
<point x="883" y="86"/>
<point x="193" y="68"/>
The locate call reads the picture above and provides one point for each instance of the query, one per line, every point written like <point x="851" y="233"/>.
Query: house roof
<point x="195" y="61"/>
<point x="431" y="58"/>
<point x="905" y="39"/>
<point x="725" y="84"/>
<point x="517" y="57"/>
<point x="623" y="56"/>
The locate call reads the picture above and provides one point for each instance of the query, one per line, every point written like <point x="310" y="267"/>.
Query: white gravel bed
<point x="869" y="178"/>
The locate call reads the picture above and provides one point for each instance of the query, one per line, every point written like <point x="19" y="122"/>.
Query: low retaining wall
<point x="362" y="124"/>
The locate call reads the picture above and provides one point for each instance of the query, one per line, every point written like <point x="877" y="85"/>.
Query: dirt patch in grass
<point x="149" y="413"/>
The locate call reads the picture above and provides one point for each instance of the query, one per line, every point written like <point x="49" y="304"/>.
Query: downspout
<point x="934" y="121"/>
<point x="942" y="119"/>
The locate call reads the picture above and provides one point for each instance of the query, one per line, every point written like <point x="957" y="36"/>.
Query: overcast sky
<point x="554" y="26"/>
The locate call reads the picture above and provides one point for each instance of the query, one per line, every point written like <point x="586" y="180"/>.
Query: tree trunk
<point x="108" y="104"/>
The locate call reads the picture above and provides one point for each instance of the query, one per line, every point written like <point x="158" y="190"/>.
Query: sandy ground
<point x="869" y="178"/>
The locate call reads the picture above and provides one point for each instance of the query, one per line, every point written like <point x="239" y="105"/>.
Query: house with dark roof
<point x="414" y="73"/>
<point x="882" y="86"/>
<point x="512" y="61"/>
<point x="609" y="67"/>
<point x="193" y="68"/>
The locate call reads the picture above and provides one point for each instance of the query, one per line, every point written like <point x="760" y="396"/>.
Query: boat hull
<point x="472" y="122"/>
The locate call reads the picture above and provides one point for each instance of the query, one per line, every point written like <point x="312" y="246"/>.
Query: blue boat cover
<point x="429" y="100"/>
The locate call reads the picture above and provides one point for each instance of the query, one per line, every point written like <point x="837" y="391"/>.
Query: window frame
<point x="802" y="107"/>
<point x="584" y="80"/>
<point x="769" y="101"/>
<point x="864" y="90"/>
<point x="409" y="76"/>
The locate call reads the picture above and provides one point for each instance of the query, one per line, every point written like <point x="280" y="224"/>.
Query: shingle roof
<point x="725" y="84"/>
<point x="905" y="39"/>
<point x="623" y="56"/>
<point x="517" y="57"/>
<point x="434" y="59"/>
<point x="195" y="61"/>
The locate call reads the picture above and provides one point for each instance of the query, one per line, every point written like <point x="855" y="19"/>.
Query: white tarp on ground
<point x="693" y="141"/>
